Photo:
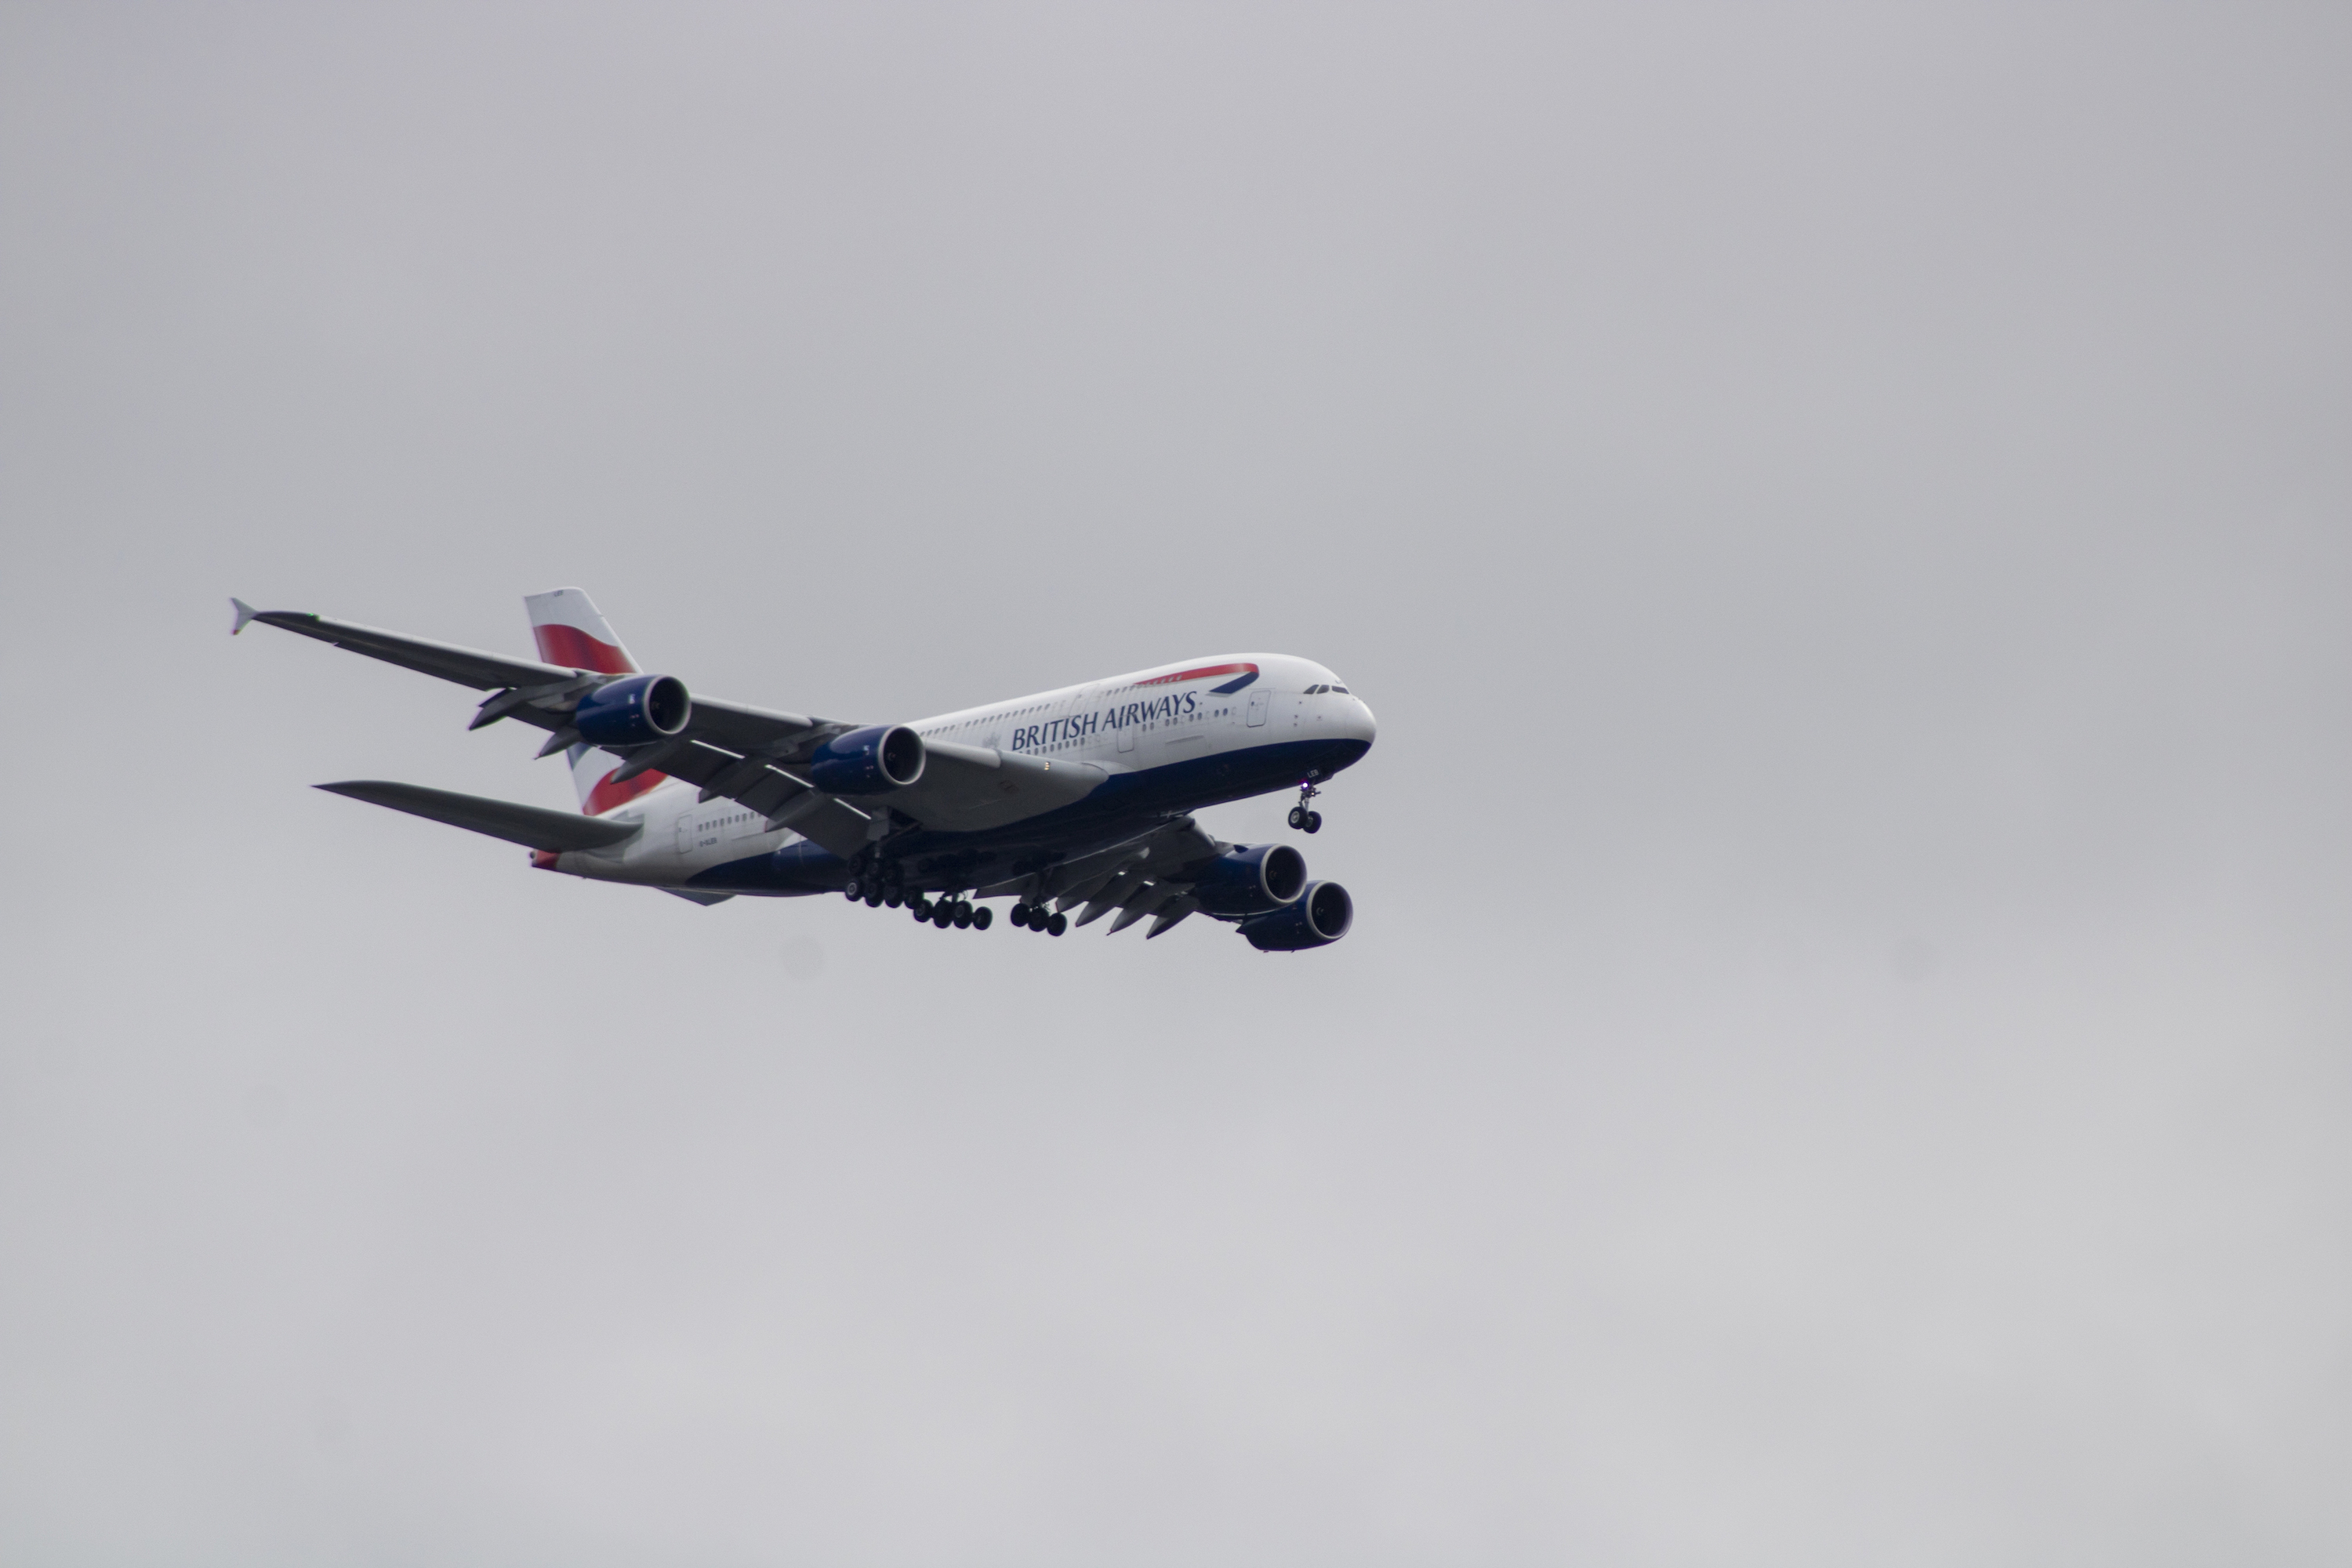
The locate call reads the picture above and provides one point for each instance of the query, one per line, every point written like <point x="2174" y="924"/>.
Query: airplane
<point x="1074" y="799"/>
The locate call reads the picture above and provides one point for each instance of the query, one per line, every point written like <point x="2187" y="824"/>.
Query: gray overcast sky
<point x="1844" y="514"/>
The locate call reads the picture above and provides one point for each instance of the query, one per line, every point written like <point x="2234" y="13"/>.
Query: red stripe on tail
<point x="608" y="795"/>
<point x="576" y="649"/>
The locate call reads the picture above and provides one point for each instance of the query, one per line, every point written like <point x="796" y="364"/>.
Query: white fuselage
<point x="1134" y="723"/>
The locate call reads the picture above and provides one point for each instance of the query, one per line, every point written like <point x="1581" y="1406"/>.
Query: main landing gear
<point x="870" y="890"/>
<point x="944" y="912"/>
<point x="874" y="884"/>
<point x="1034" y="917"/>
<point x="1301" y="816"/>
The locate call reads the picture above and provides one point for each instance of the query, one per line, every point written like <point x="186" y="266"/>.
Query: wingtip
<point x="244" y="611"/>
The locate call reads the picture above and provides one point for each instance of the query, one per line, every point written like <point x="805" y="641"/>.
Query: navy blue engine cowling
<point x="871" y="761"/>
<point x="1250" y="880"/>
<point x="636" y="711"/>
<point x="1320" y="917"/>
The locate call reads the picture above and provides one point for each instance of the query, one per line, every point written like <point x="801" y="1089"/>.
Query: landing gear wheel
<point x="873" y="897"/>
<point x="1058" y="924"/>
<point x="854" y="891"/>
<point x="963" y="916"/>
<point x="921" y="907"/>
<point x="892" y="899"/>
<point x="942" y="914"/>
<point x="1303" y="816"/>
<point x="982" y="918"/>
<point x="1017" y="917"/>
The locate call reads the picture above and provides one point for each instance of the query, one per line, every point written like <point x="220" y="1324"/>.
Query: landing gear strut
<point x="1302" y="816"/>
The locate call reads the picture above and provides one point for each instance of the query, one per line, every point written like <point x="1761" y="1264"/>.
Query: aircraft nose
<point x="1359" y="724"/>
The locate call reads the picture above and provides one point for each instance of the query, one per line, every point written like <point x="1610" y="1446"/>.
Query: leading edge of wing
<point x="465" y="666"/>
<point x="738" y="725"/>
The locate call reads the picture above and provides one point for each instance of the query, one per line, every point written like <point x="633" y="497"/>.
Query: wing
<point x="1149" y="874"/>
<point x="729" y="750"/>
<point x="965" y="789"/>
<point x="465" y="666"/>
<point x="536" y="693"/>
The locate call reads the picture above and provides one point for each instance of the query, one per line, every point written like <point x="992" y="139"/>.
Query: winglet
<point x="245" y="613"/>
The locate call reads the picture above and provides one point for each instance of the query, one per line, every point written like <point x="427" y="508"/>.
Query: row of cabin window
<point x="969" y="723"/>
<point x="1056" y="746"/>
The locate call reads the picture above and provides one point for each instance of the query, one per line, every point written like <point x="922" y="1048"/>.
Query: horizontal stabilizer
<point x="529" y="825"/>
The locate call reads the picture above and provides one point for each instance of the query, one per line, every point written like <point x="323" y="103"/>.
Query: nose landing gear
<point x="1302" y="816"/>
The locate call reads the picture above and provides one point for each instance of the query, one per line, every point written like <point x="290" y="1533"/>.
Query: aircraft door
<point x="1259" y="697"/>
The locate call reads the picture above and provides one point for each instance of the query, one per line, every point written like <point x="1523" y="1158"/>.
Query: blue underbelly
<point x="1125" y="804"/>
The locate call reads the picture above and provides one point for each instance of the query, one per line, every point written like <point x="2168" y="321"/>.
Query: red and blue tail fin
<point x="571" y="631"/>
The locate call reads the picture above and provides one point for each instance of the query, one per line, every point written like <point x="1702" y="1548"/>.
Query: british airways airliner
<point x="1073" y="799"/>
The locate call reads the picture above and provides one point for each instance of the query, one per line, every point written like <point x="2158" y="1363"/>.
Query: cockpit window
<point x="1336" y="686"/>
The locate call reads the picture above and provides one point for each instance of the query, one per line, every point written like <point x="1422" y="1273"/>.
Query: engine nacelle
<point x="872" y="761"/>
<point x="1250" y="880"/>
<point x="1320" y="917"/>
<point x="636" y="711"/>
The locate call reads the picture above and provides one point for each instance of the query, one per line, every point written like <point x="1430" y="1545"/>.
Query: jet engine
<point x="1319" y="917"/>
<point x="636" y="711"/>
<point x="872" y="761"/>
<point x="1250" y="880"/>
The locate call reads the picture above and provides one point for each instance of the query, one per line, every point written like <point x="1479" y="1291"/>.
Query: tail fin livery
<point x="571" y="631"/>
